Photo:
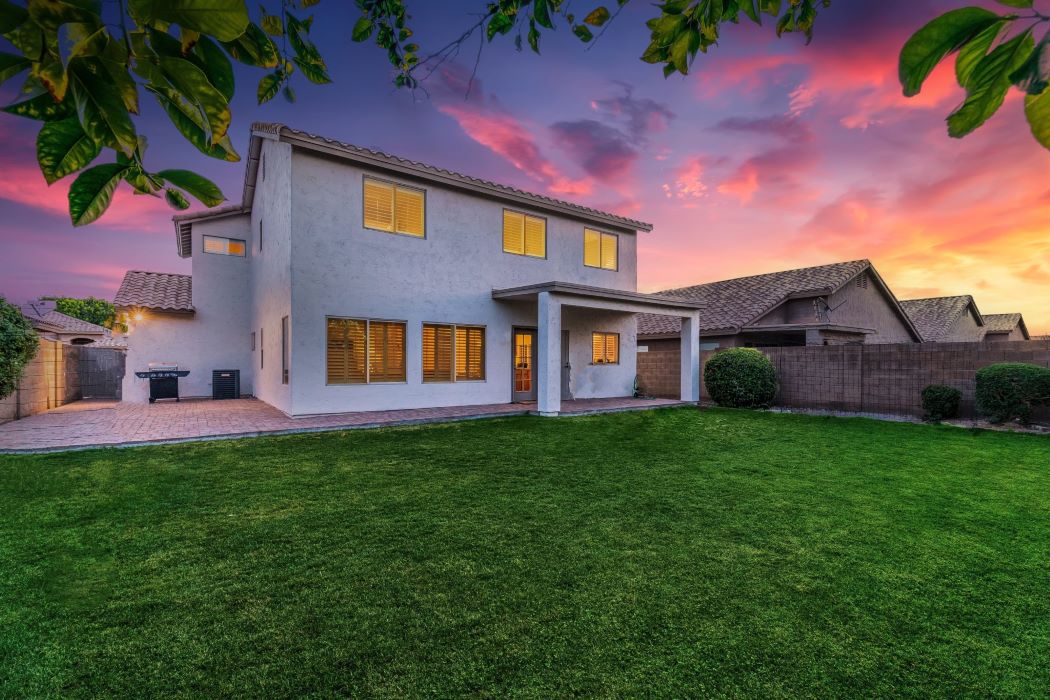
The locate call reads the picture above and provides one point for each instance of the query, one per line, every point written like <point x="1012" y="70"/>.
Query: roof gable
<point x="1005" y="323"/>
<point x="935" y="316"/>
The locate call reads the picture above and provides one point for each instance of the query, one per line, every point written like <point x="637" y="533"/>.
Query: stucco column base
<point x="549" y="414"/>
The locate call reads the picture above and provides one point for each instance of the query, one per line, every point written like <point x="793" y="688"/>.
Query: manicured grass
<point x="669" y="553"/>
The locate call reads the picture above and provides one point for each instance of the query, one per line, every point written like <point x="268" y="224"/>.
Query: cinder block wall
<point x="886" y="379"/>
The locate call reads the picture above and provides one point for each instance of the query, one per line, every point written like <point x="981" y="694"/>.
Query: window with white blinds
<point x="453" y="353"/>
<point x="605" y="348"/>
<point x="362" y="351"/>
<point x="217" y="245"/>
<point x="394" y="208"/>
<point x="600" y="249"/>
<point x="524" y="234"/>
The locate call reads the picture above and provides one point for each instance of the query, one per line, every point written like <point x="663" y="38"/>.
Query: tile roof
<point x="934" y="317"/>
<point x="155" y="290"/>
<point x="728" y="305"/>
<point x="1002" y="323"/>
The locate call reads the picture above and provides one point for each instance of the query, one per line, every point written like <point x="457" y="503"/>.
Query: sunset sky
<point x="770" y="155"/>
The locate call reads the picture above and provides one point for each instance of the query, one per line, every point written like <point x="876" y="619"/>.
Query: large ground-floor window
<point x="363" y="351"/>
<point x="453" y="353"/>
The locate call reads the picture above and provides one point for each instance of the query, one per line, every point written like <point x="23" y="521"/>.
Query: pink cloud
<point x="687" y="181"/>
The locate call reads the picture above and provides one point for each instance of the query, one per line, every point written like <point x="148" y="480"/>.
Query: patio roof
<point x="600" y="297"/>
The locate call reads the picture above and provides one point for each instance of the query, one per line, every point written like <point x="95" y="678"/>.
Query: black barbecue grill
<point x="163" y="381"/>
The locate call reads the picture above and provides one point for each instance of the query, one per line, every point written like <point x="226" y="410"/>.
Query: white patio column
<point x="690" y="369"/>
<point x="548" y="360"/>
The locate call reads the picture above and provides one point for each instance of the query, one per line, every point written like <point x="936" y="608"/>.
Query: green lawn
<point x="668" y="553"/>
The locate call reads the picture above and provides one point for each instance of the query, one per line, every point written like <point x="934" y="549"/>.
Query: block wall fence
<point x="60" y="374"/>
<point x="880" y="379"/>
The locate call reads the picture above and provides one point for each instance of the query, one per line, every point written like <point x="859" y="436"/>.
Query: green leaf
<point x="1037" y="111"/>
<point x="41" y="107"/>
<point x="541" y="13"/>
<point x="770" y="7"/>
<point x="499" y="24"/>
<point x="974" y="50"/>
<point x="269" y="86"/>
<point x="188" y="120"/>
<point x="938" y="38"/>
<point x="583" y="32"/>
<point x="52" y="75"/>
<point x="1016" y="3"/>
<point x="100" y="105"/>
<point x="11" y="65"/>
<point x="534" y="37"/>
<point x="223" y="19"/>
<point x="195" y="86"/>
<point x="597" y="17"/>
<point x="1030" y="75"/>
<point x="216" y="66"/>
<point x="197" y="185"/>
<point x="272" y="25"/>
<point x="988" y="84"/>
<point x="175" y="199"/>
<point x="313" y="72"/>
<point x="752" y="11"/>
<point x="288" y="93"/>
<point x="11" y="16"/>
<point x="62" y="148"/>
<point x="51" y="14"/>
<point x="679" y="57"/>
<point x="92" y="191"/>
<point x="297" y="37"/>
<point x="362" y="29"/>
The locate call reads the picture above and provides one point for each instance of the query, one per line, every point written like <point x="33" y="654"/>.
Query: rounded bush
<point x="741" y="378"/>
<point x="18" y="344"/>
<point x="940" y="401"/>
<point x="1009" y="391"/>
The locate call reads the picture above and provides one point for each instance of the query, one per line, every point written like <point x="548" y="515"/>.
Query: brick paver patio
<point x="93" y="423"/>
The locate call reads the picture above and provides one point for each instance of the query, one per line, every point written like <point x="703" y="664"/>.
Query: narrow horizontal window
<point x="524" y="234"/>
<point x="393" y="208"/>
<point x="360" y="351"/>
<point x="600" y="249"/>
<point x="223" y="246"/>
<point x="605" y="348"/>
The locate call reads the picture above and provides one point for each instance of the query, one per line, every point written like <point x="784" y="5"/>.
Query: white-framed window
<point x="365" y="351"/>
<point x="453" y="353"/>
<point x="600" y="249"/>
<point x="605" y="348"/>
<point x="394" y="208"/>
<point x="524" y="234"/>
<point x="217" y="245"/>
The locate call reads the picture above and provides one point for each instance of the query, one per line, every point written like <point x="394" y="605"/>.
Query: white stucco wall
<point x="339" y="268"/>
<point x="271" y="272"/>
<point x="216" y="336"/>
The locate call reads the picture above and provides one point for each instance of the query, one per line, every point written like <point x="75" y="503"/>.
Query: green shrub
<point x="18" y="344"/>
<point x="741" y="378"/>
<point x="940" y="402"/>
<point x="1009" y="390"/>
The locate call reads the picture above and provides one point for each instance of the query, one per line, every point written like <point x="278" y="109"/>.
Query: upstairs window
<point x="453" y="353"/>
<point x="524" y="234"/>
<point x="605" y="348"/>
<point x="394" y="208"/>
<point x="361" y="351"/>
<point x="600" y="249"/>
<point x="223" y="246"/>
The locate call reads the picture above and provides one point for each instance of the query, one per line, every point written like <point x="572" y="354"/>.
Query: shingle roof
<point x="934" y="317"/>
<point x="728" y="305"/>
<point x="1002" y="323"/>
<point x="56" y="321"/>
<point x="155" y="290"/>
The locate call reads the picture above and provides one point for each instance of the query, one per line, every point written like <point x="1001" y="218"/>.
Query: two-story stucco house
<point x="352" y="280"/>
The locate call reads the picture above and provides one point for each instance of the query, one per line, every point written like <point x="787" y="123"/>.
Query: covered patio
<point x="552" y="299"/>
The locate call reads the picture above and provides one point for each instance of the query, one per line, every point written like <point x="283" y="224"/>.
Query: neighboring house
<point x="840" y="303"/>
<point x="998" y="327"/>
<point x="946" y="319"/>
<point x="348" y="280"/>
<point x="54" y="325"/>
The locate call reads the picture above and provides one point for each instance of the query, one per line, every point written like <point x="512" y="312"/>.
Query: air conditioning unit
<point x="226" y="384"/>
